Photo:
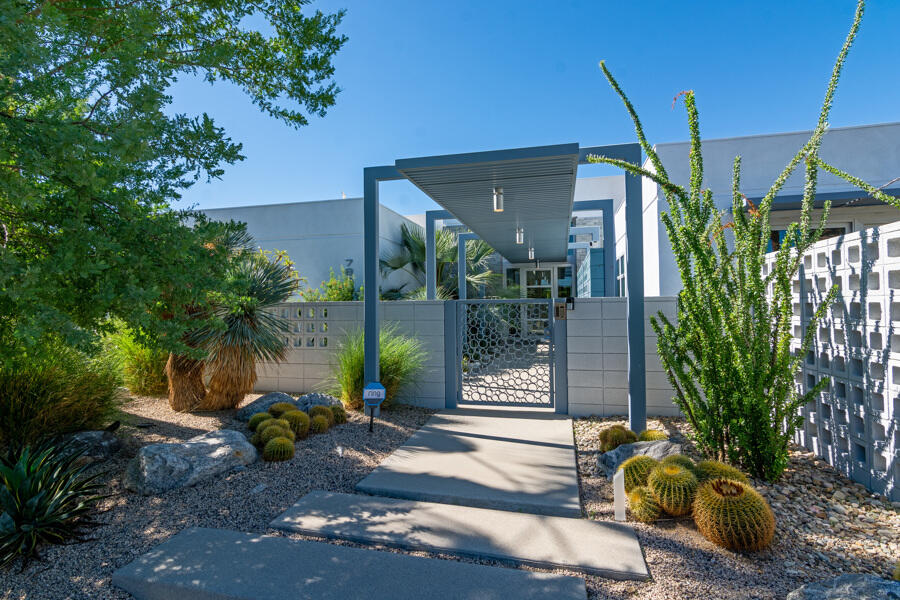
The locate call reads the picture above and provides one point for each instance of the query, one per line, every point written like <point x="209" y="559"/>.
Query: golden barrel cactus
<point x="318" y="424"/>
<point x="652" y="435"/>
<point x="279" y="408"/>
<point x="679" y="459"/>
<point x="270" y="433"/>
<point x="256" y="419"/>
<point x="614" y="436"/>
<point x="298" y="421"/>
<point x="643" y="505"/>
<point x="714" y="469"/>
<point x="733" y="515"/>
<point x="324" y="411"/>
<point x="636" y="470"/>
<point x="674" y="487"/>
<point x="278" y="449"/>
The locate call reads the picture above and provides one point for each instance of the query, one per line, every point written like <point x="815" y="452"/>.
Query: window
<point x="538" y="283"/>
<point x="513" y="277"/>
<point x="563" y="282"/>
<point x="620" y="276"/>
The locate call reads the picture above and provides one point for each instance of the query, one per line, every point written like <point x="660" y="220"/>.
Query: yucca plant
<point x="251" y="332"/>
<point x="729" y="356"/>
<point x="45" y="499"/>
<point x="402" y="362"/>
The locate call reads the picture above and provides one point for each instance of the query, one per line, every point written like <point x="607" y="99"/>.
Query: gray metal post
<point x="634" y="275"/>
<point x="372" y="306"/>
<point x="561" y="367"/>
<point x="451" y="357"/>
<point x="430" y="262"/>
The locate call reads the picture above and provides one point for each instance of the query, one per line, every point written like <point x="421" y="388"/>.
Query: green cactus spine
<point x="643" y="505"/>
<point x="340" y="414"/>
<point x="636" y="470"/>
<point x="674" y="487"/>
<point x="279" y="448"/>
<point x="679" y="459"/>
<point x="279" y="408"/>
<point x="652" y="435"/>
<point x="270" y="433"/>
<point x="318" y="424"/>
<point x="713" y="469"/>
<point x="323" y="411"/>
<point x="298" y="422"/>
<point x="256" y="419"/>
<point x="733" y="515"/>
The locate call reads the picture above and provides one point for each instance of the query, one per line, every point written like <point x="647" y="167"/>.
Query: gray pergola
<point x="538" y="187"/>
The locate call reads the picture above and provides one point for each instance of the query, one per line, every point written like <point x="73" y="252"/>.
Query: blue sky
<point x="421" y="77"/>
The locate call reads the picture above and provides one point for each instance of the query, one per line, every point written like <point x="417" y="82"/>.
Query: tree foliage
<point x="91" y="156"/>
<point x="729" y="357"/>
<point x="337" y="288"/>
<point x="410" y="258"/>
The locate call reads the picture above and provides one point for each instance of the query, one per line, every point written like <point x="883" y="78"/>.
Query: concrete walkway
<point x="511" y="460"/>
<point x="215" y="564"/>
<point x="600" y="548"/>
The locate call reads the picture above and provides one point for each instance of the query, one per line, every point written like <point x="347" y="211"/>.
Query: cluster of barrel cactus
<point x="726" y="509"/>
<point x="276" y="431"/>
<point x="614" y="436"/>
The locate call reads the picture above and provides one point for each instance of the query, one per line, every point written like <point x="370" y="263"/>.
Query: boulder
<point x="262" y="404"/>
<point x="849" y="587"/>
<point x="159" y="468"/>
<point x="309" y="400"/>
<point x="94" y="446"/>
<point x="610" y="461"/>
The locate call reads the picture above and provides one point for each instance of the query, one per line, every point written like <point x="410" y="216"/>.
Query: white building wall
<point x="597" y="349"/>
<point x="871" y="152"/>
<point x="318" y="236"/>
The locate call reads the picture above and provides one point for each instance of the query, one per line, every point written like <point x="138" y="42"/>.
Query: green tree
<point x="91" y="157"/>
<point x="729" y="356"/>
<point x="338" y="288"/>
<point x="410" y="258"/>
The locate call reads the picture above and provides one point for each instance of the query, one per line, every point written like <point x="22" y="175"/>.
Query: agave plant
<point x="45" y="499"/>
<point x="410" y="258"/>
<point x="251" y="330"/>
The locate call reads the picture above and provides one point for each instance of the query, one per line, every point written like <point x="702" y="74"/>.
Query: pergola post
<point x="461" y="240"/>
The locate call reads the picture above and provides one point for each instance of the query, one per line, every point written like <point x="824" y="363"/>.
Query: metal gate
<point x="505" y="352"/>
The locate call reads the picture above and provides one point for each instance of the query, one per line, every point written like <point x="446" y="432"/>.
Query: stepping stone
<point x="600" y="548"/>
<point x="502" y="459"/>
<point x="216" y="564"/>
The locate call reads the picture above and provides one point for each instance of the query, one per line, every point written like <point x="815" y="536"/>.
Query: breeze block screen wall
<point x="853" y="422"/>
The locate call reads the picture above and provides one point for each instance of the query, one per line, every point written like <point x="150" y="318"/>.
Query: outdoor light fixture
<point x="498" y="199"/>
<point x="520" y="235"/>
<point x="531" y="254"/>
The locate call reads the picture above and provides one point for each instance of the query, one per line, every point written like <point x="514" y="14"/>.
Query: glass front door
<point x="538" y="283"/>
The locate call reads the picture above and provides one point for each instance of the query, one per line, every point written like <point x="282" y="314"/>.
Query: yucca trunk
<point x="232" y="376"/>
<point x="186" y="389"/>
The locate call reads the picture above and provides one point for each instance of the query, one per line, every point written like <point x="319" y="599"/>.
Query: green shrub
<point x="674" y="487"/>
<point x="733" y="515"/>
<point x="636" y="470"/>
<point x="614" y="436"/>
<point x="336" y="289"/>
<point x="60" y="392"/>
<point x="679" y="459"/>
<point x="299" y="422"/>
<point x="340" y="415"/>
<point x="257" y="419"/>
<point x="143" y="369"/>
<point x="402" y="363"/>
<point x="318" y="424"/>
<point x="652" y="435"/>
<point x="643" y="505"/>
<point x="325" y="411"/>
<point x="279" y="448"/>
<point x="279" y="408"/>
<point x="45" y="499"/>
<point x="713" y="469"/>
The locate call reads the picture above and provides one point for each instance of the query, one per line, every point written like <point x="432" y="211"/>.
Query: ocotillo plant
<point x="728" y="356"/>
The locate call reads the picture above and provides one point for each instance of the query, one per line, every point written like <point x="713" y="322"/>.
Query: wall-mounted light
<point x="520" y="235"/>
<point x="498" y="199"/>
<point x="531" y="254"/>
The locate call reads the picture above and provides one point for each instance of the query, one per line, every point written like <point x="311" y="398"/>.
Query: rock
<point x="849" y="587"/>
<point x="159" y="468"/>
<point x="610" y="461"/>
<point x="839" y="496"/>
<point x="94" y="446"/>
<point x="262" y="404"/>
<point x="309" y="400"/>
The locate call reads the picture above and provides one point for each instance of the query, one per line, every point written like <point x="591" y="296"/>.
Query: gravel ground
<point x="244" y="501"/>
<point x="825" y="525"/>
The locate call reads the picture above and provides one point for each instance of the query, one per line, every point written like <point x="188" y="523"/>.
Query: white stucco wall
<point x="318" y="236"/>
<point x="871" y="152"/>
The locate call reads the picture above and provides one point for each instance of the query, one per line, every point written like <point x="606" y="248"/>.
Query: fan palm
<point x="410" y="258"/>
<point x="251" y="330"/>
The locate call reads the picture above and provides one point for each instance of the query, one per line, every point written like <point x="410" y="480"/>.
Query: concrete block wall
<point x="597" y="350"/>
<point x="318" y="328"/>
<point x="853" y="423"/>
